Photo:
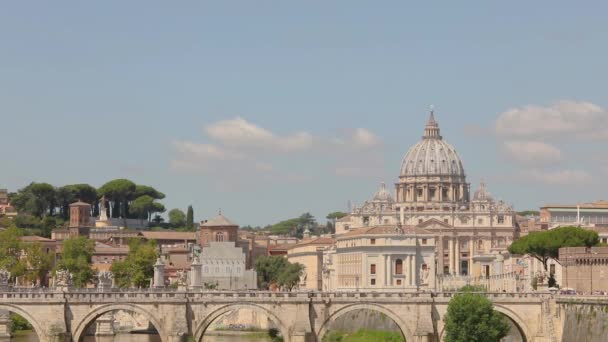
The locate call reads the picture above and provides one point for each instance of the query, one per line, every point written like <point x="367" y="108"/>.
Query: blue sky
<point x="268" y="109"/>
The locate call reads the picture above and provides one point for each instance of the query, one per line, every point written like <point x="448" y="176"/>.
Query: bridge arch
<point x="92" y="315"/>
<point x="42" y="334"/>
<point x="215" y="314"/>
<point x="510" y="315"/>
<point x="367" y="306"/>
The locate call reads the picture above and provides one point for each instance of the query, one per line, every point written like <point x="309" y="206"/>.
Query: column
<point x="381" y="272"/>
<point x="401" y="215"/>
<point x="471" y="252"/>
<point x="407" y="270"/>
<point x="440" y="254"/>
<point x="451" y="254"/>
<point x="457" y="256"/>
<point x="389" y="271"/>
<point x="413" y="269"/>
<point x="159" y="273"/>
<point x="440" y="189"/>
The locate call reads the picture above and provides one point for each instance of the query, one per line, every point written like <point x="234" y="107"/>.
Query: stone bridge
<point x="300" y="316"/>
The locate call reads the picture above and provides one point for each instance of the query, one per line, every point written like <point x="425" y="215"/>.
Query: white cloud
<point x="245" y="151"/>
<point x="564" y="119"/>
<point x="192" y="150"/>
<point x="532" y="152"/>
<point x="239" y="132"/>
<point x="557" y="177"/>
<point x="356" y="138"/>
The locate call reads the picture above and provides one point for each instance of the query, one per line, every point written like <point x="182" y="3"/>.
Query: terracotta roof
<point x="385" y="230"/>
<point x="35" y="238"/>
<point x="314" y="241"/>
<point x="601" y="204"/>
<point x="218" y="221"/>
<point x="281" y="247"/>
<point x="80" y="204"/>
<point x="169" y="235"/>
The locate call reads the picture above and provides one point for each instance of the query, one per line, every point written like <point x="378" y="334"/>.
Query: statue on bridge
<point x="63" y="279"/>
<point x="105" y="280"/>
<point x="5" y="277"/>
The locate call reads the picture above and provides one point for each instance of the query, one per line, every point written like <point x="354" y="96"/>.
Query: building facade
<point x="432" y="193"/>
<point x="383" y="258"/>
<point x="593" y="214"/>
<point x="584" y="269"/>
<point x="309" y="253"/>
<point x="224" y="264"/>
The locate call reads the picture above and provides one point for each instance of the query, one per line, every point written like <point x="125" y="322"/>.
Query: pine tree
<point x="190" y="218"/>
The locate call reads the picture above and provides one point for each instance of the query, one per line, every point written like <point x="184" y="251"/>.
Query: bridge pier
<point x="5" y="326"/>
<point x="105" y="325"/>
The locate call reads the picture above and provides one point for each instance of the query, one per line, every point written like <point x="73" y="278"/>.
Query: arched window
<point x="219" y="237"/>
<point x="398" y="266"/>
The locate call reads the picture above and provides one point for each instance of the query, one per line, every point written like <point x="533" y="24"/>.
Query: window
<point x="372" y="241"/>
<point x="372" y="281"/>
<point x="398" y="281"/>
<point x="205" y="269"/>
<point x="419" y="221"/>
<point x="480" y="221"/>
<point x="372" y="268"/>
<point x="399" y="266"/>
<point x="424" y="241"/>
<point x="552" y="269"/>
<point x="445" y="220"/>
<point x="501" y="219"/>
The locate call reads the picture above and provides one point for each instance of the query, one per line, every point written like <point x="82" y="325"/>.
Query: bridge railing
<point x="95" y="293"/>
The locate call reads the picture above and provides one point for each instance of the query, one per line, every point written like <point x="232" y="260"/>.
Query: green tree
<point x="76" y="257"/>
<point x="177" y="218"/>
<point x="545" y="245"/>
<point x="269" y="268"/>
<point x="39" y="263"/>
<point x="295" y="226"/>
<point x="10" y="252"/>
<point x="37" y="199"/>
<point x="118" y="192"/>
<point x="138" y="267"/>
<point x="276" y="269"/>
<point x="142" y="190"/>
<point x="290" y="275"/>
<point x="471" y="318"/>
<point x="190" y="218"/>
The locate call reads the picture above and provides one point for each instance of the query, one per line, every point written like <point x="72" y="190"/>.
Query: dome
<point x="482" y="193"/>
<point x="382" y="195"/>
<point x="432" y="155"/>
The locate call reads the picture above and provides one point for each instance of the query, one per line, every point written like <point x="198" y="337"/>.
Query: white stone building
<point x="383" y="257"/>
<point x="224" y="265"/>
<point x="432" y="193"/>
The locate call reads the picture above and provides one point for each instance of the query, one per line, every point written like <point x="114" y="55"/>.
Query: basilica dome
<point x="432" y="156"/>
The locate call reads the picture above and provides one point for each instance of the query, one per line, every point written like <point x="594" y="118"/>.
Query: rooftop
<point x="385" y="230"/>
<point x="601" y="204"/>
<point x="219" y="221"/>
<point x="169" y="235"/>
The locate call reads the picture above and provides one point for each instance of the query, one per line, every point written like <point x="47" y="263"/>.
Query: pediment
<point x="434" y="224"/>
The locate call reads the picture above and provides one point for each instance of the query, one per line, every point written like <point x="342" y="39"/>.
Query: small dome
<point x="382" y="195"/>
<point x="432" y="155"/>
<point x="482" y="193"/>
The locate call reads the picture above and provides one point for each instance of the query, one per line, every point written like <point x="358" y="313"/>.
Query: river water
<point x="32" y="337"/>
